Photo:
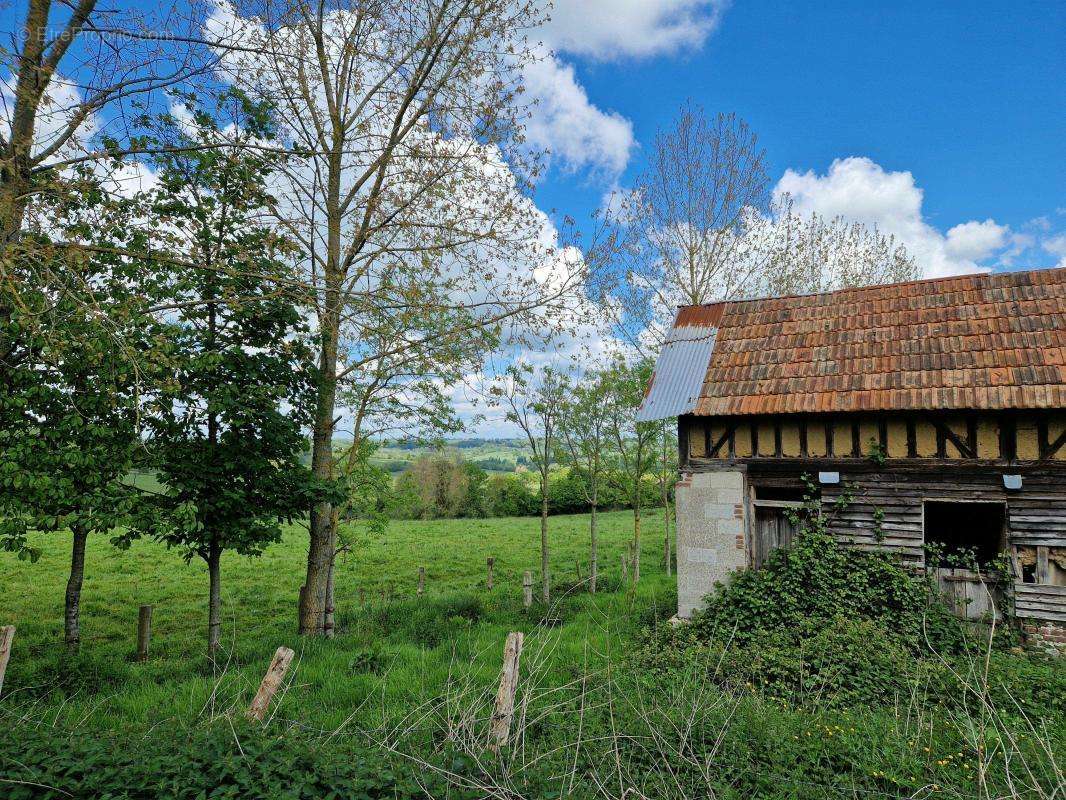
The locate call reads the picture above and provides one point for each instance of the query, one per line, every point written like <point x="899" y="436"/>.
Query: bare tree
<point x="534" y="403"/>
<point x="799" y="254"/>
<point x="690" y="211"/>
<point x="408" y="199"/>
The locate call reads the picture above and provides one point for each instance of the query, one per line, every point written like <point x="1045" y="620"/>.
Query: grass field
<point x="390" y="654"/>
<point x="503" y="453"/>
<point x="401" y="699"/>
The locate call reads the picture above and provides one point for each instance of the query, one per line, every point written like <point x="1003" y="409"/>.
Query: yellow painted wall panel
<point x="790" y="439"/>
<point x="897" y="438"/>
<point x="697" y="442"/>
<point x="743" y="440"/>
<point x="766" y="439"/>
<point x="816" y="438"/>
<point x="1055" y="429"/>
<point x="716" y="434"/>
<point x="987" y="438"/>
<point x="1028" y="444"/>
<point x="958" y="427"/>
<point x="842" y="439"/>
<point x="868" y="430"/>
<point x="925" y="438"/>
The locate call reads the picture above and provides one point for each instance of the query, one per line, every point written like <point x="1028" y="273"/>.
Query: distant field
<point x="493" y="455"/>
<point x="389" y="656"/>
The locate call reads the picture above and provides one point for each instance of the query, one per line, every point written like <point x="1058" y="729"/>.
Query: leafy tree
<point x="633" y="452"/>
<point x="226" y="428"/>
<point x="77" y="354"/>
<point x="473" y="504"/>
<point x="409" y="198"/>
<point x="666" y="473"/>
<point x="534" y="404"/>
<point x="585" y="433"/>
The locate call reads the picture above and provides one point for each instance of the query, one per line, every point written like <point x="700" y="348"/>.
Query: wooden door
<point x="772" y="529"/>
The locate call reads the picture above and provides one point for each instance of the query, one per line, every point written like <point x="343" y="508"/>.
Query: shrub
<point x="830" y="625"/>
<point x="510" y="496"/>
<point x="819" y="580"/>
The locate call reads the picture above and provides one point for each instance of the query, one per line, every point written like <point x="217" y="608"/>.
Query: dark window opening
<point x="1029" y="573"/>
<point x="961" y="529"/>
<point x="788" y="493"/>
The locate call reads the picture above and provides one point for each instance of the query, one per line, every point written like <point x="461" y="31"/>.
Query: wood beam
<point x="712" y="452"/>
<point x="1008" y="437"/>
<point x="1055" y="446"/>
<point x="945" y="434"/>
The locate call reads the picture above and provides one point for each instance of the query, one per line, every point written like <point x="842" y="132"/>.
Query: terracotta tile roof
<point x="991" y="341"/>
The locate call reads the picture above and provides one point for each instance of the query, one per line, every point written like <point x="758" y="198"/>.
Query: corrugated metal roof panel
<point x="679" y="371"/>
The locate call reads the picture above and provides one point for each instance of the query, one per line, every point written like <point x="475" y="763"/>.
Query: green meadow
<point x="393" y="650"/>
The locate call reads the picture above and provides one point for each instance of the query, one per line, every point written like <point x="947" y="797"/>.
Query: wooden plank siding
<point x="1040" y="601"/>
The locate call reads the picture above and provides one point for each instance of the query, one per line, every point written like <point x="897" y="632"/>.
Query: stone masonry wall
<point x="710" y="534"/>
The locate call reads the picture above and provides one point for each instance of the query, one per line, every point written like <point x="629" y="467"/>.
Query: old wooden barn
<point x="943" y="402"/>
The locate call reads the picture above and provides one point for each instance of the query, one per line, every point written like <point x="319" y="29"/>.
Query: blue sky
<point x="968" y="98"/>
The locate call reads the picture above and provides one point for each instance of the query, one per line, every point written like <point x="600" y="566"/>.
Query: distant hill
<point x="492" y="455"/>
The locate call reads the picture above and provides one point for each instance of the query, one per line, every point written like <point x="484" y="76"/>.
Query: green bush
<point x="510" y="496"/>
<point x="826" y="624"/>
<point x="819" y="580"/>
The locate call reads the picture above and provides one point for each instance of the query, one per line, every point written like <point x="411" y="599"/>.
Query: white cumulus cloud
<point x="1056" y="245"/>
<point x="577" y="134"/>
<point x="976" y="240"/>
<point x="861" y="190"/>
<point x="613" y="29"/>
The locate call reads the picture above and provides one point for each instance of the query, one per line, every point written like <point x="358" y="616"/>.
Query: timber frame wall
<point x="895" y="461"/>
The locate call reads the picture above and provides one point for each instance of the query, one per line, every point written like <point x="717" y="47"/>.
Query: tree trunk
<point x="72" y="610"/>
<point x="636" y="543"/>
<point x="322" y="544"/>
<point x="666" y="528"/>
<point x="328" y="622"/>
<point x="214" y="602"/>
<point x="593" y="551"/>
<point x="545" y="569"/>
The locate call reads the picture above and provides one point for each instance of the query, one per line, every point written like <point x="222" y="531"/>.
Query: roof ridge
<point x="943" y="278"/>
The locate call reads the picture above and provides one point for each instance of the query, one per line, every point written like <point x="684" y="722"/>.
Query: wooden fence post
<point x="505" y="696"/>
<point x="489" y="563"/>
<point x="362" y="596"/>
<point x="421" y="580"/>
<point x="7" y="635"/>
<point x="144" y="632"/>
<point x="625" y="567"/>
<point x="527" y="588"/>
<point x="275" y="674"/>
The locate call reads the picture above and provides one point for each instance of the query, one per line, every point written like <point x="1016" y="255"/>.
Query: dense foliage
<point x="826" y="624"/>
<point x="440" y="486"/>
<point x="212" y="762"/>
